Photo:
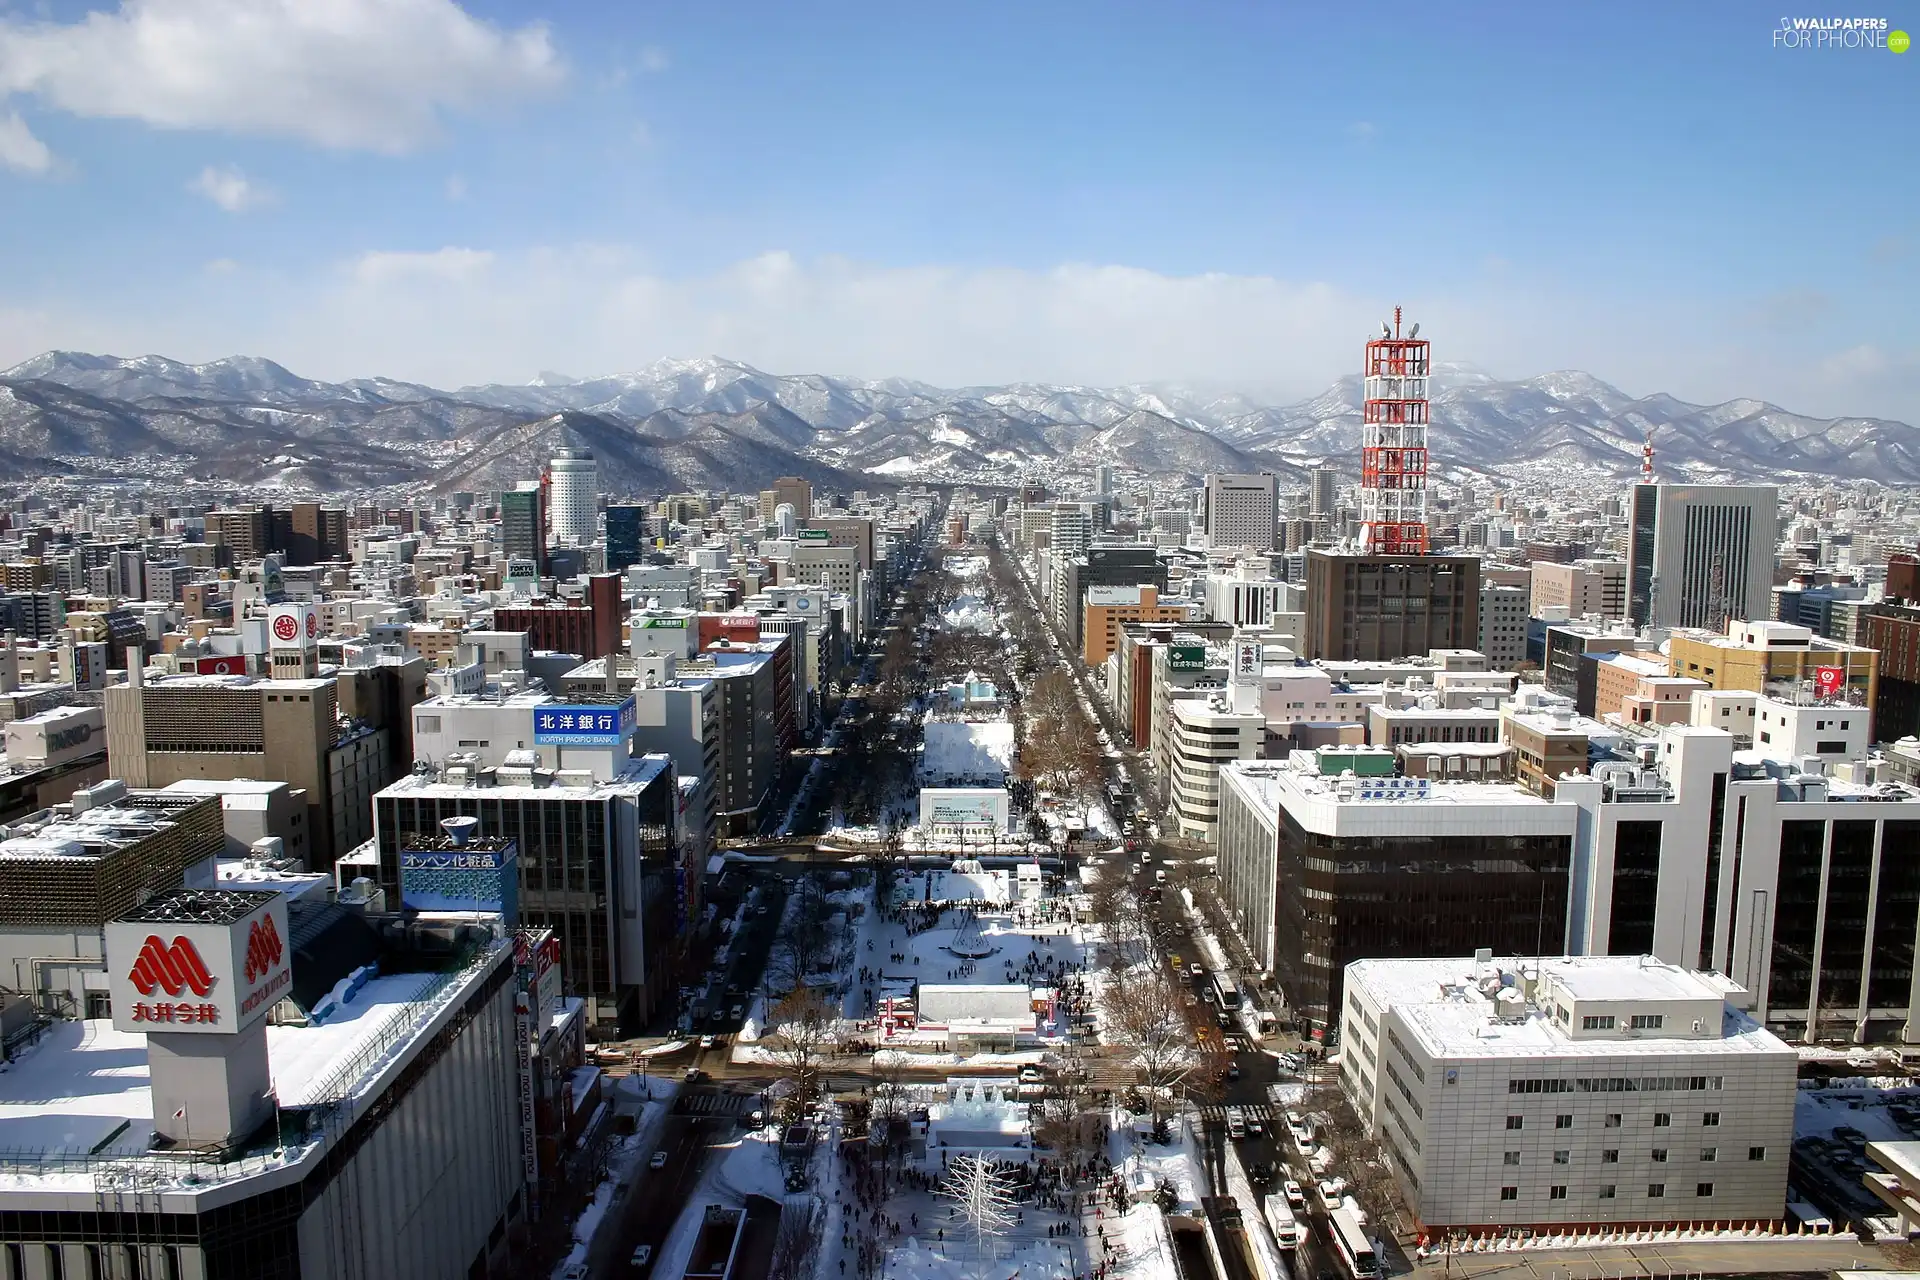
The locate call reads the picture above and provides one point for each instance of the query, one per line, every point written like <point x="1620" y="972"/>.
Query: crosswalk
<point x="1216" y="1113"/>
<point x="713" y="1103"/>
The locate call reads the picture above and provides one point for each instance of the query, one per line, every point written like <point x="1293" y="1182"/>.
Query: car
<point x="1330" y="1191"/>
<point x="694" y="1075"/>
<point x="707" y="1041"/>
<point x="574" y="1271"/>
<point x="1260" y="1172"/>
<point x="736" y="1012"/>
<point x="1207" y="995"/>
<point x="641" y="1256"/>
<point x="1032" y="1075"/>
<point x="1296" y="1198"/>
<point x="1254" y="1126"/>
<point x="1233" y="1071"/>
<point x="658" y="1160"/>
<point x="1195" y="971"/>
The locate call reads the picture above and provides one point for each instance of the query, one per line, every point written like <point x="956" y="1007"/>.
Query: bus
<point x="1351" y="1242"/>
<point x="1226" y="990"/>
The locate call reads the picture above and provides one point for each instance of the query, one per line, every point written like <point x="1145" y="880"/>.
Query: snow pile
<point x="1041" y="1260"/>
<point x="966" y="751"/>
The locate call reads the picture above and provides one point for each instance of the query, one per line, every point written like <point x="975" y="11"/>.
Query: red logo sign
<point x="172" y="969"/>
<point x="285" y="628"/>
<point x="263" y="949"/>
<point x="223" y="666"/>
<point x="1829" y="680"/>
<point x="313" y="625"/>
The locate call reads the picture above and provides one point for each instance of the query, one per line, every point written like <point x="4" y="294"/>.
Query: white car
<point x="641" y="1256"/>
<point x="1032" y="1075"/>
<point x="707" y="1042"/>
<point x="1296" y="1198"/>
<point x="1330" y="1190"/>
<point x="658" y="1160"/>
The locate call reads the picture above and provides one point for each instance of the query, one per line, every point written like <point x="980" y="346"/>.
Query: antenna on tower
<point x="1393" y="452"/>
<point x="1646" y="460"/>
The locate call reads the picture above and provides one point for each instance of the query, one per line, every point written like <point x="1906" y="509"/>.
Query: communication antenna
<point x="1393" y="443"/>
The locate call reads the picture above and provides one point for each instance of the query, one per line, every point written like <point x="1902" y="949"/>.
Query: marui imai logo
<point x="175" y="969"/>
<point x="264" y="949"/>
<point x="285" y="628"/>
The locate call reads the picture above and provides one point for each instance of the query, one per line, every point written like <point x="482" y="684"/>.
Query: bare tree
<point x="807" y="1035"/>
<point x="796" y="1245"/>
<point x="1069" y="1126"/>
<point x="1143" y="1017"/>
<point x="887" y="860"/>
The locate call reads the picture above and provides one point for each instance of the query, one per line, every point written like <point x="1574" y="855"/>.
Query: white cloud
<point x="19" y="149"/>
<point x="373" y="75"/>
<point x="222" y="267"/>
<point x="653" y="59"/>
<point x="456" y="187"/>
<point x="451" y="266"/>
<point x="231" y="189"/>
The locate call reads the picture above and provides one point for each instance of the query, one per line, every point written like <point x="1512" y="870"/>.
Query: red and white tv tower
<point x="1393" y="453"/>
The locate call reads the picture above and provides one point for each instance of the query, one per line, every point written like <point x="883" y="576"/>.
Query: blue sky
<point x="1224" y="195"/>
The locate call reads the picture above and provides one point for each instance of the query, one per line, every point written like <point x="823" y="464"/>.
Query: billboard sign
<point x="816" y="535"/>
<point x="1187" y="657"/>
<point x="568" y="725"/>
<point x="293" y="626"/>
<point x="1828" y="681"/>
<point x="1246" y="661"/>
<point x="188" y="976"/>
<point x="226" y="664"/>
<point x="461" y="879"/>
<point x="660" y="624"/>
<point x="968" y="808"/>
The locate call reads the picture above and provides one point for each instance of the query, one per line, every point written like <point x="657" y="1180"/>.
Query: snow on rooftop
<point x="1441" y="1003"/>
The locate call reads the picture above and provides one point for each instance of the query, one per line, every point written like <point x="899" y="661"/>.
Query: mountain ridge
<point x="712" y="422"/>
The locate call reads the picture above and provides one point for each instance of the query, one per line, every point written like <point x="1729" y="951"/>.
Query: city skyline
<point x="1665" y="199"/>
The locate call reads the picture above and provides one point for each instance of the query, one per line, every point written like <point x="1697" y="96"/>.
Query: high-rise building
<point x="1374" y="608"/>
<point x="626" y="535"/>
<point x="247" y="533"/>
<point x="1503" y="625"/>
<point x="1241" y="510"/>
<point x="575" y="495"/>
<point x="1070" y="529"/>
<point x="792" y="490"/>
<point x="316" y="533"/>
<point x="523" y="525"/>
<point x="1322" y="493"/>
<point x="1700" y="555"/>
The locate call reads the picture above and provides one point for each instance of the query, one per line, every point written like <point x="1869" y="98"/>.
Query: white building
<point x="1700" y="554"/>
<point x="1585" y="1090"/>
<point x="1205" y="733"/>
<point x="575" y="495"/>
<point x="1241" y="510"/>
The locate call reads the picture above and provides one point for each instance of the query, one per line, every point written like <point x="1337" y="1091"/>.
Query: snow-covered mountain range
<point x="721" y="423"/>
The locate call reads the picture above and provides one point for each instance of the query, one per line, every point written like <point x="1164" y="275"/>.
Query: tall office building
<point x="626" y="535"/>
<point x="1701" y="555"/>
<point x="1322" y="492"/>
<point x="1071" y="530"/>
<point x="523" y="525"/>
<point x="316" y="533"/>
<point x="1241" y="510"/>
<point x="792" y="490"/>
<point x="575" y="497"/>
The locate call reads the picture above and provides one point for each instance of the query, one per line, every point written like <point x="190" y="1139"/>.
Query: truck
<point x="1286" y="1227"/>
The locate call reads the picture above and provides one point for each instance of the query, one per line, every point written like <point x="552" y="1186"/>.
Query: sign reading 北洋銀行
<point x="556" y="725"/>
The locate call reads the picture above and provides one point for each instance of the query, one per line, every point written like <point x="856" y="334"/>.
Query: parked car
<point x="658" y="1160"/>
<point x="1032" y="1075"/>
<point x="1296" y="1198"/>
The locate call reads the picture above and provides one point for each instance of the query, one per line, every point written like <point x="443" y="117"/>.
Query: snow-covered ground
<point x="748" y="1165"/>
